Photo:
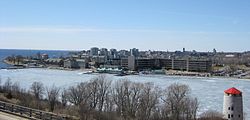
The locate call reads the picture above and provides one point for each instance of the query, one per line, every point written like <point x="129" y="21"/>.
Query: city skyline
<point x="146" y="25"/>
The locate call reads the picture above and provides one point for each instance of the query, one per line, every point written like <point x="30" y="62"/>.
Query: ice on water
<point x="209" y="91"/>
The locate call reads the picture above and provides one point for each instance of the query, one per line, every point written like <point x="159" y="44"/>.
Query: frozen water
<point x="209" y="91"/>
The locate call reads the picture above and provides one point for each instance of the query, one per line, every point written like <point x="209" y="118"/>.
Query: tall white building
<point x="233" y="106"/>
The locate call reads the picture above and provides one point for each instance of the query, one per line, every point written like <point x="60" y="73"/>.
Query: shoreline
<point x="186" y="76"/>
<point x="167" y="73"/>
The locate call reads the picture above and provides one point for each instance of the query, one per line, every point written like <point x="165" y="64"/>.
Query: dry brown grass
<point x="3" y="98"/>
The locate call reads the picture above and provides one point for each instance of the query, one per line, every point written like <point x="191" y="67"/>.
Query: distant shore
<point x="167" y="72"/>
<point x="85" y="71"/>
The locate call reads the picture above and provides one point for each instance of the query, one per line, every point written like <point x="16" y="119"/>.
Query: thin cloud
<point x="79" y="30"/>
<point x="29" y="29"/>
<point x="55" y="29"/>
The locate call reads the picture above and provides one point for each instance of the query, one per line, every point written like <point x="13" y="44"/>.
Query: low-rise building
<point x="76" y="63"/>
<point x="82" y="63"/>
<point x="193" y="65"/>
<point x="55" y="61"/>
<point x="99" y="59"/>
<point x="45" y="56"/>
<point x="199" y="65"/>
<point x="71" y="63"/>
<point x="124" y="62"/>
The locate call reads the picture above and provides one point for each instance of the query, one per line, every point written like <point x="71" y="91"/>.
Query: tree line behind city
<point x="103" y="99"/>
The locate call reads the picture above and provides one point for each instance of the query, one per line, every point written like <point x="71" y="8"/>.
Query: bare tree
<point x="93" y="89"/>
<point x="78" y="94"/>
<point x="179" y="103"/>
<point x="120" y="95"/>
<point x="135" y="100"/>
<point x="85" y="107"/>
<point x="103" y="89"/>
<point x="109" y="103"/>
<point x="64" y="98"/>
<point x="37" y="89"/>
<point x="25" y="98"/>
<point x="74" y="95"/>
<point x="16" y="89"/>
<point x="7" y="85"/>
<point x="149" y="101"/>
<point x="52" y="95"/>
<point x="211" y="115"/>
<point x="191" y="106"/>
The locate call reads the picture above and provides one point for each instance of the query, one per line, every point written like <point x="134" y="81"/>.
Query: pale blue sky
<point x="145" y="24"/>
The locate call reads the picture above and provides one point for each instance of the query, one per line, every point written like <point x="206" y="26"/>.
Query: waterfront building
<point x="55" y="61"/>
<point x="192" y="65"/>
<point x="233" y="106"/>
<point x="144" y="63"/>
<point x="116" y="62"/>
<point x="82" y="63"/>
<point x="71" y="63"/>
<point x="99" y="59"/>
<point x="131" y="63"/>
<point x="166" y="63"/>
<point x="179" y="64"/>
<point x="45" y="56"/>
<point x="124" y="62"/>
<point x="76" y="56"/>
<point x="199" y="65"/>
<point x="147" y="64"/>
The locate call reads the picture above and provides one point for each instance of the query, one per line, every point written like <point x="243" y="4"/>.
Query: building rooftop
<point x="233" y="91"/>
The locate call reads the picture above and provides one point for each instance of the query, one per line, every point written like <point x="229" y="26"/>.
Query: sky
<point x="171" y="25"/>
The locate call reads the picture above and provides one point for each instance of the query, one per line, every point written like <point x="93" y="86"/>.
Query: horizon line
<point x="77" y="50"/>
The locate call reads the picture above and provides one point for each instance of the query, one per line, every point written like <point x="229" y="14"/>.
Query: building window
<point x="232" y="108"/>
<point x="232" y="116"/>
<point x="228" y="108"/>
<point x="228" y="115"/>
<point x="239" y="116"/>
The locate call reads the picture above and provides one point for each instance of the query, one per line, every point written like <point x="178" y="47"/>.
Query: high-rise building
<point x="94" y="51"/>
<point x="214" y="51"/>
<point x="113" y="53"/>
<point x="123" y="54"/>
<point x="134" y="52"/>
<point x="233" y="106"/>
<point x="103" y="52"/>
<point x="131" y="63"/>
